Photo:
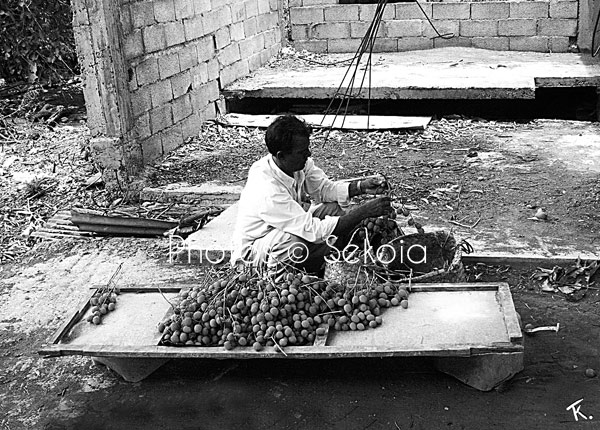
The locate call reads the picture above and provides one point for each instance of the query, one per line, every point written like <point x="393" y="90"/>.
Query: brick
<point x="412" y="11"/>
<point x="442" y="26"/>
<point x="517" y="27"/>
<point x="151" y="149"/>
<point x="450" y="11"/>
<point x="147" y="71"/>
<point x="268" y="21"/>
<point x="307" y="15"/>
<point x="193" y="28"/>
<point x="557" y="27"/>
<point x="251" y="8"/>
<point x="190" y="127"/>
<point x="142" y="126"/>
<point x="237" y="31"/>
<point x="536" y="44"/>
<point x="133" y="45"/>
<point x="489" y="10"/>
<point x="366" y="12"/>
<point x="142" y="14"/>
<point x="464" y="42"/>
<point x="161" y="118"/>
<point x="201" y="6"/>
<point x="264" y="6"/>
<point x="181" y="83"/>
<point x="485" y="27"/>
<point x="205" y="47"/>
<point x="414" y="43"/>
<point x="161" y="93"/>
<point x="251" y="27"/>
<point x="164" y="10"/>
<point x="342" y="45"/>
<point x="311" y="45"/>
<point x="559" y="44"/>
<point x="563" y="9"/>
<point x="528" y="9"/>
<point x="141" y="101"/>
<point x="183" y="9"/>
<point x="491" y="43"/>
<point x="154" y="38"/>
<point x="222" y="37"/>
<point x="338" y="30"/>
<point x="188" y="57"/>
<point x="405" y="28"/>
<point x="346" y="12"/>
<point x="171" y="138"/>
<point x="168" y="65"/>
<point x="238" y="11"/>
<point x="182" y="108"/>
<point x="174" y="33"/>
<point x="229" y="55"/>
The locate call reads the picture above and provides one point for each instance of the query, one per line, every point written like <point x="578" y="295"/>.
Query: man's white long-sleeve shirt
<point x="273" y="200"/>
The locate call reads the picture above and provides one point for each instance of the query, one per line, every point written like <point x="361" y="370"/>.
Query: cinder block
<point x="206" y="48"/>
<point x="142" y="14"/>
<point x="208" y="113"/>
<point x="237" y="31"/>
<point x="151" y="149"/>
<point x="528" y="9"/>
<point x="517" y="27"/>
<point x="345" y="12"/>
<point x="254" y="62"/>
<point x="405" y="28"/>
<point x="229" y="54"/>
<point x="164" y="10"/>
<point x="201" y="6"/>
<point x="311" y="45"/>
<point x="222" y="37"/>
<point x="183" y="9"/>
<point x="559" y="44"/>
<point x="174" y="33"/>
<point x="295" y="3"/>
<point x="412" y="10"/>
<point x="147" y="71"/>
<point x="534" y="43"/>
<point x="213" y="90"/>
<point x="215" y="19"/>
<point x="318" y="2"/>
<point x="366" y="12"/>
<point x="161" y="93"/>
<point x="181" y="83"/>
<point x="199" y="75"/>
<point x="491" y="43"/>
<point x="307" y="15"/>
<point x="300" y="32"/>
<point x="251" y="8"/>
<point x="182" y="108"/>
<point x="563" y="9"/>
<point x="190" y="127"/>
<point x="444" y="27"/>
<point x="171" y="138"/>
<point x="193" y="28"/>
<point x="465" y="42"/>
<point x="264" y="6"/>
<point x="337" y="30"/>
<point x="473" y="28"/>
<point x="342" y="45"/>
<point x="252" y="45"/>
<point x="231" y="73"/>
<point x="414" y="43"/>
<point x="216" y="4"/>
<point x="141" y="101"/>
<point x="188" y="57"/>
<point x="386" y="45"/>
<point x="142" y="126"/>
<point x="133" y="46"/>
<point x="238" y="11"/>
<point x="199" y="98"/>
<point x="557" y="27"/>
<point x="213" y="69"/>
<point x="272" y="37"/>
<point x="267" y="21"/>
<point x="451" y="10"/>
<point x="168" y="65"/>
<point x="359" y="29"/>
<point x="251" y="26"/>
<point x="489" y="10"/>
<point x="154" y="38"/>
<point x="161" y="118"/>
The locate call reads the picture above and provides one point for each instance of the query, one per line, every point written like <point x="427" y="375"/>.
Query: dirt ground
<point x="470" y="171"/>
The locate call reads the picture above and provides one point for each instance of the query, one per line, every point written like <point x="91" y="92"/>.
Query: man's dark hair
<point x="281" y="131"/>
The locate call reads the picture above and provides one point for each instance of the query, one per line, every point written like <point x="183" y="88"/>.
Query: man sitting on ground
<point x="275" y="225"/>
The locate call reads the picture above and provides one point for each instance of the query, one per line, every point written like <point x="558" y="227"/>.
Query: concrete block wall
<point x="154" y="69"/>
<point x="532" y="25"/>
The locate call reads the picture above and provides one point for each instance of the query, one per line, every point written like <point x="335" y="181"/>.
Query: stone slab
<point x="207" y="194"/>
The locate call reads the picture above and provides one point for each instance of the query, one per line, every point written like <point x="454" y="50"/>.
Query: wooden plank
<point x="350" y="122"/>
<point x="511" y="319"/>
<point x="68" y="325"/>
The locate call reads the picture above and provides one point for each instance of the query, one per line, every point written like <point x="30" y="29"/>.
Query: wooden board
<point x="350" y="122"/>
<point x="442" y="320"/>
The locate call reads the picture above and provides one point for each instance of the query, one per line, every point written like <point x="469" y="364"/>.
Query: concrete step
<point x="207" y="194"/>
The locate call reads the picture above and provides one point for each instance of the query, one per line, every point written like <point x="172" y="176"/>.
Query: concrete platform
<point x="444" y="73"/>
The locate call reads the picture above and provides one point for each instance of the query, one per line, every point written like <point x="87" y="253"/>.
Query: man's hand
<point x="375" y="207"/>
<point x="375" y="186"/>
